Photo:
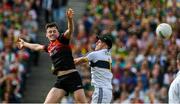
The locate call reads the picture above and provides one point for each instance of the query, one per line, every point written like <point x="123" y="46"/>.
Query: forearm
<point x="80" y="60"/>
<point x="70" y="29"/>
<point x="70" y="25"/>
<point x="36" y="47"/>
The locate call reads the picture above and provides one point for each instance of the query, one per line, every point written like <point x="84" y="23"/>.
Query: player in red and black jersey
<point x="68" y="79"/>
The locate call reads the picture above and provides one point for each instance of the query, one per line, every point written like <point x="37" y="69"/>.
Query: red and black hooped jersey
<point x="61" y="54"/>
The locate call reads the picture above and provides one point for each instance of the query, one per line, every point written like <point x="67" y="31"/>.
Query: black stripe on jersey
<point x="100" y="64"/>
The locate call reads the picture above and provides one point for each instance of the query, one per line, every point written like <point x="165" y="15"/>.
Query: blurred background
<point x="143" y="67"/>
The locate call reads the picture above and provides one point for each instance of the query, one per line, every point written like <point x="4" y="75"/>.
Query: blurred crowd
<point x="18" y="18"/>
<point x="22" y="18"/>
<point x="143" y="66"/>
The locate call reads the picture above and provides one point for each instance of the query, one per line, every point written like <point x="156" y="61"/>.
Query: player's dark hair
<point x="52" y="24"/>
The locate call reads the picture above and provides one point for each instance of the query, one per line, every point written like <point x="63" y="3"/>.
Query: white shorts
<point x="102" y="95"/>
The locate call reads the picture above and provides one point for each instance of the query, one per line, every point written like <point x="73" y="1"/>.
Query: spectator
<point x="16" y="16"/>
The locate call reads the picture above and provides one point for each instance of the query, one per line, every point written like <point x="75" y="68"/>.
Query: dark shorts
<point x="70" y="82"/>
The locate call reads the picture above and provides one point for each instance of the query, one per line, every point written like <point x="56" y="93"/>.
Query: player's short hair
<point x="52" y="24"/>
<point x="178" y="56"/>
<point x="107" y="38"/>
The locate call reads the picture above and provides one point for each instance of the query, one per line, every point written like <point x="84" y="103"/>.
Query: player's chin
<point x="96" y="49"/>
<point x="52" y="39"/>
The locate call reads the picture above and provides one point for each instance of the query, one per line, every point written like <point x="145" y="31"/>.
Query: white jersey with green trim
<point x="100" y="62"/>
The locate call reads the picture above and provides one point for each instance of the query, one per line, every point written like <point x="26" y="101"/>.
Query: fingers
<point x="19" y="39"/>
<point x="70" y="13"/>
<point x="70" y="10"/>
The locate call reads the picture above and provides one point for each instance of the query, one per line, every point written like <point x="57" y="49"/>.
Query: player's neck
<point x="52" y="41"/>
<point x="103" y="49"/>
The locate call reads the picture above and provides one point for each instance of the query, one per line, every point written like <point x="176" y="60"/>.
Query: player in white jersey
<point x="101" y="76"/>
<point x="174" y="90"/>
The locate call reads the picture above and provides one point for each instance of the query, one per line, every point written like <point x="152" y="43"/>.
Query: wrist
<point x="23" y="44"/>
<point x="70" y="18"/>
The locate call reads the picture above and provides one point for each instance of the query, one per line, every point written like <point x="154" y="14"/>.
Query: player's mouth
<point x="53" y="37"/>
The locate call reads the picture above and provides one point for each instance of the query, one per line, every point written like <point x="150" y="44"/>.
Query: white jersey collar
<point x="103" y="50"/>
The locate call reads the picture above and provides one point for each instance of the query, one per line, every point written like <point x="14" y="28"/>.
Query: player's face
<point x="52" y="33"/>
<point x="99" y="45"/>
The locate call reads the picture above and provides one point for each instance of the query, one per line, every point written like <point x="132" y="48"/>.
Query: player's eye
<point x="50" y="31"/>
<point x="54" y="31"/>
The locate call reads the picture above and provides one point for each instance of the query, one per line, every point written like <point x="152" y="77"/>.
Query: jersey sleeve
<point x="63" y="39"/>
<point x="90" y="56"/>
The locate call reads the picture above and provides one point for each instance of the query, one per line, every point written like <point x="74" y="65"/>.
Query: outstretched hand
<point x="20" y="43"/>
<point x="69" y="13"/>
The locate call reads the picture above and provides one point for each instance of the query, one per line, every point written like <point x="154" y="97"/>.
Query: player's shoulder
<point x="91" y="53"/>
<point x="97" y="53"/>
<point x="176" y="81"/>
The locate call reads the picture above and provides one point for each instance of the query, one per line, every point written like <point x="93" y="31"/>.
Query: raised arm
<point x="37" y="47"/>
<point x="80" y="60"/>
<point x="70" y="29"/>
